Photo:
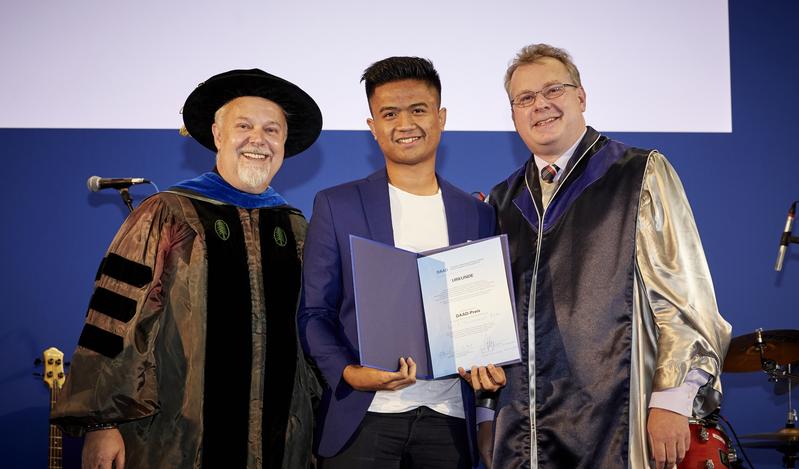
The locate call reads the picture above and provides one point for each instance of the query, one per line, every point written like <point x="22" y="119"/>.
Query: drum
<point x="710" y="447"/>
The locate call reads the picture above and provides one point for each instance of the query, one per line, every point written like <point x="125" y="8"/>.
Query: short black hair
<point x="400" y="68"/>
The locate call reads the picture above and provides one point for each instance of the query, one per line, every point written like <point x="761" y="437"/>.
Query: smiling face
<point x="250" y="135"/>
<point x="407" y="122"/>
<point x="548" y="128"/>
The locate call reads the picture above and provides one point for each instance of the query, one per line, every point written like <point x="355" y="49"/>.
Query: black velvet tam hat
<point x="303" y="117"/>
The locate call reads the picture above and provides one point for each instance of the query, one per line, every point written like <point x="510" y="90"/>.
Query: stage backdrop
<point x="93" y="88"/>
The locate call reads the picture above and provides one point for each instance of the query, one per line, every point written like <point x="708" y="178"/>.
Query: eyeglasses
<point x="527" y="98"/>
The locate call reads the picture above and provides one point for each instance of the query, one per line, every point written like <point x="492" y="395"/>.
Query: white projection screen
<point x="647" y="66"/>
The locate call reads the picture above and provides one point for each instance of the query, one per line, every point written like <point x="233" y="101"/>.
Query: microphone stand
<point x="776" y="373"/>
<point x="125" y="194"/>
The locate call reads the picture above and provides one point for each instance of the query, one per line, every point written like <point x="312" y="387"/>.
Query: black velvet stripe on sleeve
<point x="100" y="341"/>
<point x="125" y="270"/>
<point x="281" y="274"/>
<point x="113" y="304"/>
<point x="228" y="342"/>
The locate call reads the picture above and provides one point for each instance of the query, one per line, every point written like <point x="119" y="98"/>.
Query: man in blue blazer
<point x="370" y="418"/>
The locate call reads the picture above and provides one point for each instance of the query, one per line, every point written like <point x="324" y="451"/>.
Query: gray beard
<point x="252" y="176"/>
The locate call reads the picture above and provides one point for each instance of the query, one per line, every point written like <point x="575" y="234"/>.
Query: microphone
<point x="96" y="183"/>
<point x="785" y="239"/>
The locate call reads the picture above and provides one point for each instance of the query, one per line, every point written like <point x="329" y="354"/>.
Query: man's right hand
<point x="363" y="378"/>
<point x="103" y="449"/>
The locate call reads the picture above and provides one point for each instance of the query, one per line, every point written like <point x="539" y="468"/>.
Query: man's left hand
<point x="484" y="378"/>
<point x="669" y="437"/>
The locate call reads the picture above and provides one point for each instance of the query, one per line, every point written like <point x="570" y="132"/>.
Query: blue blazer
<point x="326" y="318"/>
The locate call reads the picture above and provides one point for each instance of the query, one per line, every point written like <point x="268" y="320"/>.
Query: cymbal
<point x="793" y="445"/>
<point x="782" y="346"/>
<point x="783" y="435"/>
<point x="785" y="439"/>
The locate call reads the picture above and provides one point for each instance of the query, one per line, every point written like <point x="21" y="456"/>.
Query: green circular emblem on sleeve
<point x="222" y="230"/>
<point x="280" y="236"/>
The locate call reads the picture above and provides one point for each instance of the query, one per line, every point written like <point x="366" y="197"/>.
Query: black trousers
<point x="418" y="439"/>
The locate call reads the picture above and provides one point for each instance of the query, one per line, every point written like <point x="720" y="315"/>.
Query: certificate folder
<point x="468" y="295"/>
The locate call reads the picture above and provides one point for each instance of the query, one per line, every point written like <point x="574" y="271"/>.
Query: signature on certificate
<point x="489" y="345"/>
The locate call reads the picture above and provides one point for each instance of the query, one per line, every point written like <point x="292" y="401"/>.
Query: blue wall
<point x="740" y="185"/>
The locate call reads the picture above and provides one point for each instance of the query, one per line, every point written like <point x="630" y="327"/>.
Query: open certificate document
<point x="468" y="308"/>
<point x="447" y="308"/>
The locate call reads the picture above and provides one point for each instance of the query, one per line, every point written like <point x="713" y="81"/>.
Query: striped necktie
<point x="549" y="172"/>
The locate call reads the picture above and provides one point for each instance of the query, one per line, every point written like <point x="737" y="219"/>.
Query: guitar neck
<point x="53" y="360"/>
<point x="55" y="453"/>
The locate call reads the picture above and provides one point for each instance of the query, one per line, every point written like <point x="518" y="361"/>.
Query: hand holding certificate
<point x="484" y="378"/>
<point x="449" y="308"/>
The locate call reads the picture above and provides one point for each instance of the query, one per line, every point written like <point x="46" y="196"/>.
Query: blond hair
<point x="535" y="52"/>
